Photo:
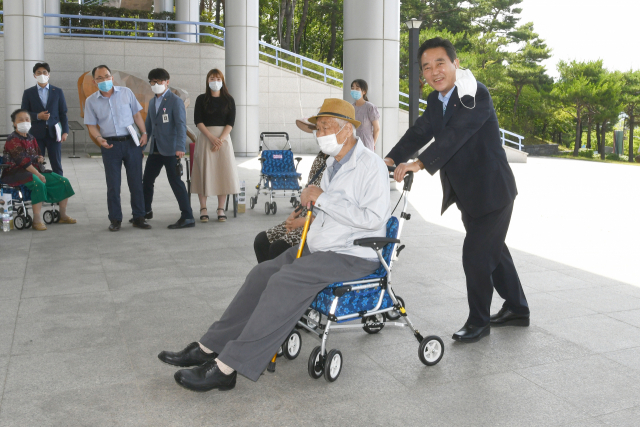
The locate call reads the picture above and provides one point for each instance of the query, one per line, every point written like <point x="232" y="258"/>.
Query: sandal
<point x="223" y="217"/>
<point x="204" y="218"/>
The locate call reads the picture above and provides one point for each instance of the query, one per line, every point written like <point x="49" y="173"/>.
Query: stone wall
<point x="541" y="150"/>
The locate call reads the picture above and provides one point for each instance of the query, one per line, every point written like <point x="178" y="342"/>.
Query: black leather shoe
<point x="148" y="215"/>
<point x="472" y="333"/>
<point x="114" y="226"/>
<point x="141" y="223"/>
<point x="183" y="223"/>
<point x="192" y="355"/>
<point x="206" y="377"/>
<point x="506" y="317"/>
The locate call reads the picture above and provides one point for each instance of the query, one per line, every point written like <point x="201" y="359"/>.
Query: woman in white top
<point x="366" y="113"/>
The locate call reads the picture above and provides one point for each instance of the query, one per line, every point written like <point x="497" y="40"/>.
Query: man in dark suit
<point x="475" y="176"/>
<point x="48" y="108"/>
<point x="167" y="125"/>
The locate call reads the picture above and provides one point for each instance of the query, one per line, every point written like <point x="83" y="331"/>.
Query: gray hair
<point x="342" y="122"/>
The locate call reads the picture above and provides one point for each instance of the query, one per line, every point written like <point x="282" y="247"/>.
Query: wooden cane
<point x="303" y="239"/>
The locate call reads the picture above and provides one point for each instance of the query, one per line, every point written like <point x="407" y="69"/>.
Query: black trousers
<point x="155" y="162"/>
<point x="130" y="154"/>
<point x="54" y="148"/>
<point x="265" y="250"/>
<point x="488" y="264"/>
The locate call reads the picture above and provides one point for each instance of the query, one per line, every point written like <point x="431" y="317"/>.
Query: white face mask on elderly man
<point x="467" y="85"/>
<point x="329" y="143"/>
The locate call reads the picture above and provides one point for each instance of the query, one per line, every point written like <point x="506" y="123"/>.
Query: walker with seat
<point x="279" y="175"/>
<point x="371" y="300"/>
<point x="21" y="203"/>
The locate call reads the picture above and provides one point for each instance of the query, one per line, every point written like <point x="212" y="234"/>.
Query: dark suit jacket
<point x="56" y="106"/>
<point x="467" y="150"/>
<point x="171" y="136"/>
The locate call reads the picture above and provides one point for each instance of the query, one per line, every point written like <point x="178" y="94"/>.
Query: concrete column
<point x="23" y="48"/>
<point x="52" y="6"/>
<point x="372" y="53"/>
<point x="187" y="10"/>
<point x="162" y="6"/>
<point x="242" y="73"/>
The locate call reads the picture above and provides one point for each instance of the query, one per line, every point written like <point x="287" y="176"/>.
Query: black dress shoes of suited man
<point x="191" y="355"/>
<point x="505" y="317"/>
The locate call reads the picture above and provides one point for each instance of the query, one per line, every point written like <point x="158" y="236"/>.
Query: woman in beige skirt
<point x="214" y="166"/>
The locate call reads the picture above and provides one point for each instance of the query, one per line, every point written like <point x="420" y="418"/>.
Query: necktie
<point x="444" y="108"/>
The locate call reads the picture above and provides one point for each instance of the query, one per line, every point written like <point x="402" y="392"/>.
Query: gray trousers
<point x="274" y="296"/>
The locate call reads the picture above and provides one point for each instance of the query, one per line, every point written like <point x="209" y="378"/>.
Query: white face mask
<point x="215" y="85"/>
<point x="42" y="79"/>
<point x="467" y="85"/>
<point x="158" y="89"/>
<point x="329" y="143"/>
<point x="23" y="127"/>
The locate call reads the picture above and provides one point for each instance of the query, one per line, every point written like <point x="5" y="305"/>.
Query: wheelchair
<point x="370" y="300"/>
<point x="21" y="203"/>
<point x="279" y="176"/>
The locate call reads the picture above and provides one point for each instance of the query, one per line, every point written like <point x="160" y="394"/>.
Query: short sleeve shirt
<point x="366" y="114"/>
<point x="112" y="114"/>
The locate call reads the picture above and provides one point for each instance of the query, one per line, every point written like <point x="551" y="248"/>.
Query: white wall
<point x="284" y="95"/>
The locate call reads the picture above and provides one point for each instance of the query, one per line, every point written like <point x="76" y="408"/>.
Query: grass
<point x="569" y="155"/>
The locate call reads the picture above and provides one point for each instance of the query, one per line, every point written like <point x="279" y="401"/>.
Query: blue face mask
<point x="106" y="85"/>
<point x="356" y="94"/>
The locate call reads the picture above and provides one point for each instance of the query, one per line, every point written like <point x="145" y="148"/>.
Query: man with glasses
<point x="167" y="125"/>
<point x="110" y="114"/>
<point x="48" y="109"/>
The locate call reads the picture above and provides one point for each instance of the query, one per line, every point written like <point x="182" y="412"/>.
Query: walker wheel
<point x="274" y="208"/>
<point x="29" y="221"/>
<point x="47" y="217"/>
<point x="333" y="365"/>
<point x="394" y="315"/>
<point x="19" y="222"/>
<point x="252" y="202"/>
<point x="431" y="350"/>
<point x="373" y="324"/>
<point x="292" y="346"/>
<point x="56" y="216"/>
<point x="280" y="351"/>
<point x="316" y="364"/>
<point x="267" y="208"/>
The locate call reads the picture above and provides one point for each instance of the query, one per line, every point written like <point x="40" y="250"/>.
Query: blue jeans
<point x="49" y="144"/>
<point x="155" y="162"/>
<point x="130" y="154"/>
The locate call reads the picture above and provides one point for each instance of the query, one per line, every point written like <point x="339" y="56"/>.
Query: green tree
<point x="524" y="67"/>
<point x="631" y="102"/>
<point x="577" y="88"/>
<point x="606" y="105"/>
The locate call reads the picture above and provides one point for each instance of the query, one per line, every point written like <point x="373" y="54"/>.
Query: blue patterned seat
<point x="363" y="300"/>
<point x="279" y="170"/>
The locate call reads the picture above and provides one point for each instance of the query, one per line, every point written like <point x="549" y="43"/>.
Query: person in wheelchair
<point x="352" y="202"/>
<point x="25" y="166"/>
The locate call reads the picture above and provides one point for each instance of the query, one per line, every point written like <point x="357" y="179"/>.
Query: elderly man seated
<point x="352" y="202"/>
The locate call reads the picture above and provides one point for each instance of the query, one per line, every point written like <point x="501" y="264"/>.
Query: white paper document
<point x="58" y="132"/>
<point x="134" y="134"/>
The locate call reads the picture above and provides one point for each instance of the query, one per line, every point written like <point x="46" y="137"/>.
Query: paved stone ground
<point x="84" y="312"/>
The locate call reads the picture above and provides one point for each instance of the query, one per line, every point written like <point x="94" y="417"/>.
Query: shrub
<point x="586" y="154"/>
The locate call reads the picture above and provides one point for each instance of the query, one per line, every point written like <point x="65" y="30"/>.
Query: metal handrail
<point x="283" y="58"/>
<point x="128" y="33"/>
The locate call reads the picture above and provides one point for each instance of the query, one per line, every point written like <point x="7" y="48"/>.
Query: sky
<point x="587" y="30"/>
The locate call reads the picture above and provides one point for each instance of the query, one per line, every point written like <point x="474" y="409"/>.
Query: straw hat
<point x="337" y="108"/>
<point x="305" y="125"/>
